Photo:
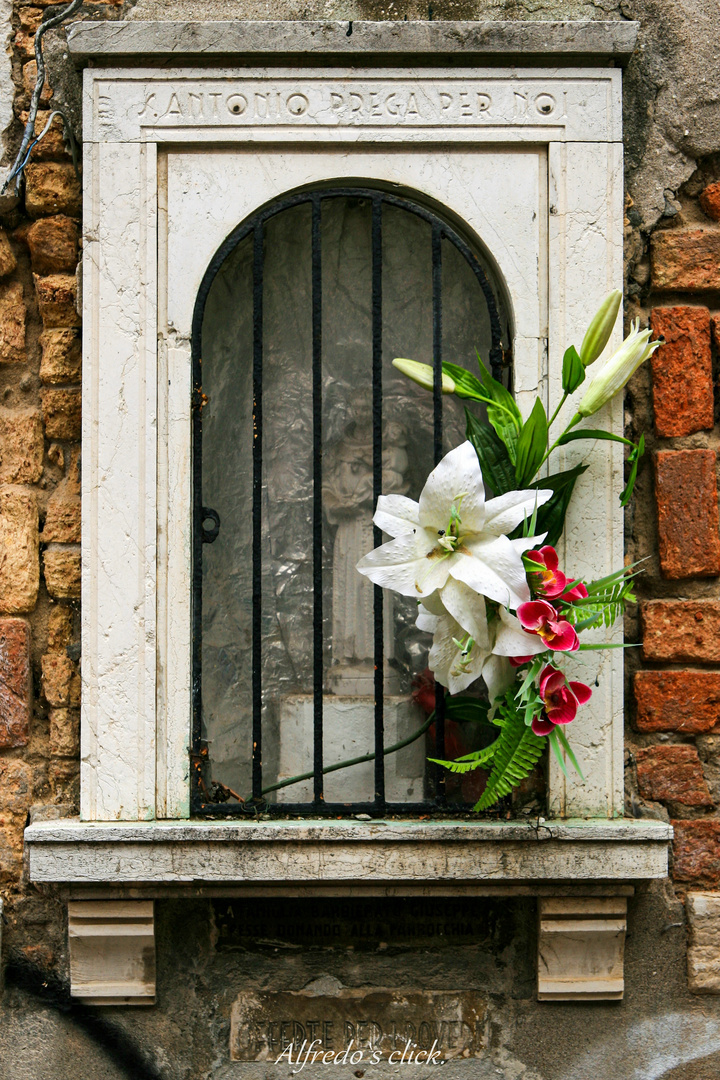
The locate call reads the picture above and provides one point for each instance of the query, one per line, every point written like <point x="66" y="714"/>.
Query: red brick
<point x="696" y="851"/>
<point x="672" y="774"/>
<point x="15" y="686"/>
<point x="680" y="630"/>
<point x="687" y="506"/>
<point x="53" y="243"/>
<point x="710" y="201"/>
<point x="686" y="261"/>
<point x="715" y="330"/>
<point x="682" y="370"/>
<point x="684" y="701"/>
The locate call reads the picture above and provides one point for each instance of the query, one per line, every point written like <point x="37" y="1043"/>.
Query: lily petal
<point x="458" y="474"/>
<point x="467" y="609"/>
<point x="498" y="674"/>
<point x="451" y="669"/>
<point x="402" y="565"/>
<point x="396" y="515"/>
<point x="493" y="569"/>
<point x="505" y="512"/>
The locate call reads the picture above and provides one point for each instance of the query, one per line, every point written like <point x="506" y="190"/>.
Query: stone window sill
<point x="332" y="857"/>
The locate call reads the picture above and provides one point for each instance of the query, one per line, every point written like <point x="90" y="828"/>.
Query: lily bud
<point x="618" y="370"/>
<point x="599" y="331"/>
<point x="424" y="375"/>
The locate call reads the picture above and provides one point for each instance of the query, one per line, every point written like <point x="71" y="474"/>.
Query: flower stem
<point x="552" y="419"/>
<point x="353" y="761"/>
<point x="575" y="420"/>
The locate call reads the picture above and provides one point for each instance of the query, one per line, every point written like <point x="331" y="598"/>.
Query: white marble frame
<point x="136" y="393"/>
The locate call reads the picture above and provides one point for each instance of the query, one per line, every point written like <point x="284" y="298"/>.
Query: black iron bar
<point x="318" y="673"/>
<point x="377" y="435"/>
<point x="257" y="481"/>
<point x="255" y="226"/>
<point x="437" y="235"/>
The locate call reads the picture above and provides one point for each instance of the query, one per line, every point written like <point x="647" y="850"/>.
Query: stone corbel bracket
<point x="581" y="945"/>
<point x="112" y="951"/>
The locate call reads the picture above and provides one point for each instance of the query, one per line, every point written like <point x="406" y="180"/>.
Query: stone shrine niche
<point x="331" y="401"/>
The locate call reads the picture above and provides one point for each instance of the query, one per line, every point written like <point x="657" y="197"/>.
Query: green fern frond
<point x="518" y="750"/>
<point x="468" y="762"/>
<point x="602" y="607"/>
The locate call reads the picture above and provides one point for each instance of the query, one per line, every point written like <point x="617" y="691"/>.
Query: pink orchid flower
<point x="539" y="617"/>
<point x="518" y="661"/>
<point x="578" y="592"/>
<point x="561" y="699"/>
<point x="547" y="580"/>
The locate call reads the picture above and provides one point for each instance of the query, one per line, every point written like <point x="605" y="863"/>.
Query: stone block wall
<point x="40" y="371"/>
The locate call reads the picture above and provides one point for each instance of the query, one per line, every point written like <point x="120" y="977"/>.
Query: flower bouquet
<point x="485" y="572"/>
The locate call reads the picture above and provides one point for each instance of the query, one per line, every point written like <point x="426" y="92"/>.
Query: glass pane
<point x="347" y="494"/>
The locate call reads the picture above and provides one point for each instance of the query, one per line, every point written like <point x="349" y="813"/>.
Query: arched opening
<point x="300" y="422"/>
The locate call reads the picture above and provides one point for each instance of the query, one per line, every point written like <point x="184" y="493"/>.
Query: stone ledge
<point x="302" y="854"/>
<point x="503" y="41"/>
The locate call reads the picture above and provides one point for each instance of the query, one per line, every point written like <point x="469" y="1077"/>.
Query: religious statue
<point x="348" y="504"/>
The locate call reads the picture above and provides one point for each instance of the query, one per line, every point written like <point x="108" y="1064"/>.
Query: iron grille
<point x="202" y="803"/>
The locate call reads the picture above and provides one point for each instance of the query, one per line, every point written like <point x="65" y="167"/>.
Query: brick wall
<point x="674" y="736"/>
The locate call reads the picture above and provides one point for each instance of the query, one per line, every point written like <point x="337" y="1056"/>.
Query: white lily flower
<point x="618" y="370"/>
<point x="453" y="533"/>
<point x="461" y="643"/>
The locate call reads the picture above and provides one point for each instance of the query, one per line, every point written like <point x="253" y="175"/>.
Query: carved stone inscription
<point x="288" y="102"/>
<point x="353" y="1026"/>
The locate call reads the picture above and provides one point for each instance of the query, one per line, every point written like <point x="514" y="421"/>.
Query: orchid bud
<point x="618" y="370"/>
<point x="424" y="375"/>
<point x="599" y="331"/>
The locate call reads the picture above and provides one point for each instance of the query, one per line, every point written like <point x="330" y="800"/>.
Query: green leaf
<point x="495" y="464"/>
<point x="464" y="709"/>
<point x="503" y="414"/>
<point x="551" y="516"/>
<point x="467" y="385"/>
<point x="566" y="746"/>
<point x="469" y="762"/>
<point x="552" y="739"/>
<point x="573" y="370"/>
<point x="591" y="433"/>
<point x="532" y="444"/>
<point x="518" y="749"/>
<point x="634" y="457"/>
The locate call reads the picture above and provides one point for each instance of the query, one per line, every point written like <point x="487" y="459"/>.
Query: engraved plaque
<point x="331" y="1024"/>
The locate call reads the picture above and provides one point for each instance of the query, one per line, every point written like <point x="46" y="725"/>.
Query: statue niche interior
<point x="349" y="703"/>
